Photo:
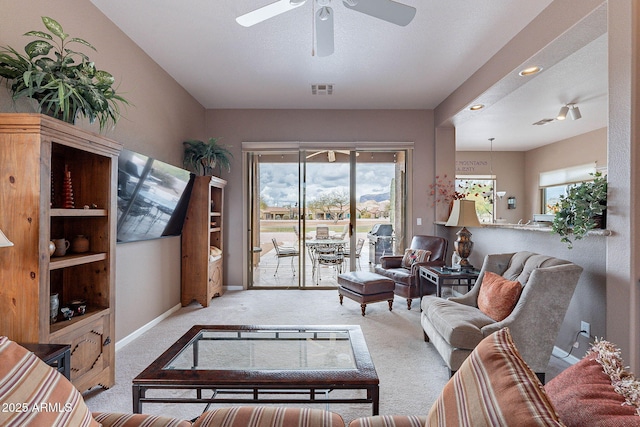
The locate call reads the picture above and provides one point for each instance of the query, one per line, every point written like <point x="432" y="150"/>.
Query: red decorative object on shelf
<point x="67" y="190"/>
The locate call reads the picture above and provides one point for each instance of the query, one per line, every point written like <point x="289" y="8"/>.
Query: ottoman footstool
<point x="365" y="287"/>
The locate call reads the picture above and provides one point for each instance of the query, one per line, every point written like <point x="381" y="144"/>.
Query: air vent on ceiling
<point x="322" y="89"/>
<point x="543" y="122"/>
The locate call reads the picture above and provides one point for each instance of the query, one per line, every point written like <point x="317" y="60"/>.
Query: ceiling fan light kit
<point x="386" y="10"/>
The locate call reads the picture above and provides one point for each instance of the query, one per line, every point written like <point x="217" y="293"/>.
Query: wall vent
<point x="322" y="89"/>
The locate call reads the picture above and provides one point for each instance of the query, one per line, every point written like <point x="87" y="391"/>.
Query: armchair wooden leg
<point x="341" y="297"/>
<point x="409" y="300"/>
<point x="363" y="307"/>
<point x="390" y="304"/>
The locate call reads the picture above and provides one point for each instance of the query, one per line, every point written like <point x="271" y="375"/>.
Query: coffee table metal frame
<point x="247" y="386"/>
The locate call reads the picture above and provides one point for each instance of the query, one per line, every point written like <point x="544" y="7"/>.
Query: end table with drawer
<point x="444" y="277"/>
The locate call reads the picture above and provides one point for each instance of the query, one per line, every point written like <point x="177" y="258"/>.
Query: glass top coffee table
<point x="262" y="364"/>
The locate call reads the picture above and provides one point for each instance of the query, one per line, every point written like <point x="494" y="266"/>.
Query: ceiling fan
<point x="331" y="154"/>
<point x="387" y="10"/>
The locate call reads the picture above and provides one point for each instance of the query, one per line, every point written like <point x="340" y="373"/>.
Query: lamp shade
<point x="4" y="242"/>
<point x="463" y="214"/>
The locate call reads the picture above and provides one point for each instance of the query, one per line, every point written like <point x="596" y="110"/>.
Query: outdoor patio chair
<point x="296" y="231"/>
<point x="359" y="245"/>
<point x="330" y="259"/>
<point x="342" y="234"/>
<point x="285" y="252"/>
<point x="322" y="232"/>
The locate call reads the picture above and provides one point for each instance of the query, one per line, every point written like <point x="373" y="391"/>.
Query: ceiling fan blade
<point x="268" y="11"/>
<point x="316" y="153"/>
<point x="387" y="10"/>
<point x="324" y="31"/>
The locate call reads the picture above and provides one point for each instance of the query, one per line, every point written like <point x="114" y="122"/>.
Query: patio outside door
<point x="310" y="212"/>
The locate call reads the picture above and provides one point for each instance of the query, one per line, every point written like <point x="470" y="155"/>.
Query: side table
<point x="58" y="356"/>
<point x="441" y="277"/>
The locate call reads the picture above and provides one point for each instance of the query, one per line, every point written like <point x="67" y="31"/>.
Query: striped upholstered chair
<point x="33" y="394"/>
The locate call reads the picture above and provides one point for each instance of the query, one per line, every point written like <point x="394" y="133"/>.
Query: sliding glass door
<point x="311" y="211"/>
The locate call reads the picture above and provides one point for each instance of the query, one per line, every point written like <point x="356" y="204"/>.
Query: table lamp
<point x="463" y="215"/>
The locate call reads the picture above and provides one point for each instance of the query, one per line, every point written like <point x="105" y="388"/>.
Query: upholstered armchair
<point x="542" y="290"/>
<point x="407" y="278"/>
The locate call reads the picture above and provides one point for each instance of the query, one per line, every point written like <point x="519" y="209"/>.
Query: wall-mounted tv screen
<point x="152" y="197"/>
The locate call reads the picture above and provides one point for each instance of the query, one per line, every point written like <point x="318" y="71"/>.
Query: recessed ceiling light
<point x="530" y="71"/>
<point x="476" y="107"/>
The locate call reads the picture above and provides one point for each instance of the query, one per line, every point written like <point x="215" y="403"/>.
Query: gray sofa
<point x="456" y="325"/>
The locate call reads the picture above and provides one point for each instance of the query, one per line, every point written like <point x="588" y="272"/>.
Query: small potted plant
<point x="202" y="158"/>
<point x="583" y="208"/>
<point x="64" y="82"/>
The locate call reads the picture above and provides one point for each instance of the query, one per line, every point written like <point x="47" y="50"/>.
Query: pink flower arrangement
<point x="443" y="191"/>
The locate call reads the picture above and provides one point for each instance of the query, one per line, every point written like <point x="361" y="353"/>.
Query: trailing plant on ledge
<point x="65" y="84"/>
<point x="582" y="209"/>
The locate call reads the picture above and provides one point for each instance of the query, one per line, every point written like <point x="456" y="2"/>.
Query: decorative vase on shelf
<point x="79" y="244"/>
<point x="67" y="190"/>
<point x="53" y="307"/>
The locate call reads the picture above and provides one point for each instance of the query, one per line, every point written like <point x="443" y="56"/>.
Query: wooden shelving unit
<point x="202" y="272"/>
<point x="35" y="151"/>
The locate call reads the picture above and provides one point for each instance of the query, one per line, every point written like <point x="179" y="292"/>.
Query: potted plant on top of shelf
<point x="583" y="208"/>
<point x="66" y="83"/>
<point x="202" y="158"/>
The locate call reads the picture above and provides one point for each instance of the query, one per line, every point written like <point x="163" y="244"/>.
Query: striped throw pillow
<point x="493" y="387"/>
<point x="34" y="394"/>
<point x="263" y="416"/>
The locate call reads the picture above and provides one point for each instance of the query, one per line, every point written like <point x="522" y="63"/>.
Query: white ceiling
<point x="376" y="65"/>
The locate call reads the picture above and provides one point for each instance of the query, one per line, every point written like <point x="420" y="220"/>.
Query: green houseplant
<point x="202" y="157"/>
<point x="581" y="209"/>
<point x="64" y="82"/>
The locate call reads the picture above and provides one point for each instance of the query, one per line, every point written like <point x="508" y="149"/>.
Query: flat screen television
<point x="152" y="198"/>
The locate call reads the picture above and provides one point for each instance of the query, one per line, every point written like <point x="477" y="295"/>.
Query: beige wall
<point x="507" y="166"/>
<point x="237" y="126"/>
<point x="162" y="115"/>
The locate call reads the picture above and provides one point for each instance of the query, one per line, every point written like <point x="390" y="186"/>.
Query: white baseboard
<point x="562" y="354"/>
<point x="132" y="336"/>
<point x="234" y="288"/>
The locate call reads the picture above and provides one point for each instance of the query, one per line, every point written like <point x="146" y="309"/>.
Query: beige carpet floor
<point x="411" y="372"/>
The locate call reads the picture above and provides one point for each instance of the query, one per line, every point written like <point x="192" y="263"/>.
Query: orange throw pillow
<point x="498" y="296"/>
